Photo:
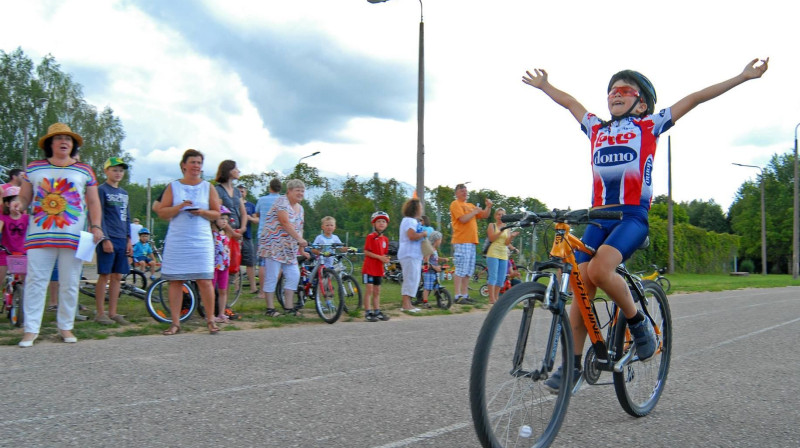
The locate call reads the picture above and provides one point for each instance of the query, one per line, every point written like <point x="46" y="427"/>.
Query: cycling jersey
<point x="622" y="157"/>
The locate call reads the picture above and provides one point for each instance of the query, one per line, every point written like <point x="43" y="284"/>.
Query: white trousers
<point x="40" y="269"/>
<point x="412" y="271"/>
<point x="291" y="275"/>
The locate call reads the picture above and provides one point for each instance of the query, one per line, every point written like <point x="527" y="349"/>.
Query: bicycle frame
<point x="562" y="259"/>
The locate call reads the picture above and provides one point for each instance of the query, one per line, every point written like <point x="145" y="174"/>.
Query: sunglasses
<point x="623" y="91"/>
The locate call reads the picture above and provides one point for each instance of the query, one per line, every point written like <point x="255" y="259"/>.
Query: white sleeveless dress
<point x="189" y="245"/>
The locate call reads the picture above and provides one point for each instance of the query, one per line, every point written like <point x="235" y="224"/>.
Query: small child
<point x="13" y="227"/>
<point x="143" y="252"/>
<point x="376" y="248"/>
<point x="113" y="250"/>
<point x="221" y="230"/>
<point x="433" y="269"/>
<point x="326" y="239"/>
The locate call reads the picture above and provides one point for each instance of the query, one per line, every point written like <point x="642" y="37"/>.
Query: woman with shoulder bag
<point x="497" y="255"/>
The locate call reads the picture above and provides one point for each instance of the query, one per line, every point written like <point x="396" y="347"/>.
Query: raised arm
<point x="539" y="80"/>
<point x="752" y="70"/>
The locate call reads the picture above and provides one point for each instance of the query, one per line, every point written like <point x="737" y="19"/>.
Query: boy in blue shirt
<point x="143" y="253"/>
<point x="326" y="239"/>
<point x="114" y="249"/>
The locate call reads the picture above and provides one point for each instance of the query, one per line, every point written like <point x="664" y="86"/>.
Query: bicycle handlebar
<point x="582" y="216"/>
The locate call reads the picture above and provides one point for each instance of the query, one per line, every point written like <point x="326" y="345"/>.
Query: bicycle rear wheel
<point x="510" y="405"/>
<point x="353" y="301"/>
<point x="640" y="384"/>
<point x="664" y="283"/>
<point x="235" y="282"/>
<point x="329" y="296"/>
<point x="157" y="301"/>
<point x="480" y="276"/>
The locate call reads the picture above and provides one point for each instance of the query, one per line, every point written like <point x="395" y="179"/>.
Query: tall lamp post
<point x="796" y="214"/>
<point x="305" y="157"/>
<point x="420" y="108"/>
<point x="763" y="220"/>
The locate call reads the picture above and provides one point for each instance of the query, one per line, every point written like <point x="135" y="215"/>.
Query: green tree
<point x="745" y="214"/>
<point x="34" y="97"/>
<point x="708" y="215"/>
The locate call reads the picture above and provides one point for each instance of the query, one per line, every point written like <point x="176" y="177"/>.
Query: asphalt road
<point x="733" y="382"/>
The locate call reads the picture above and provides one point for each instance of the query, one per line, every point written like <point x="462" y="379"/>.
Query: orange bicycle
<point x="527" y="334"/>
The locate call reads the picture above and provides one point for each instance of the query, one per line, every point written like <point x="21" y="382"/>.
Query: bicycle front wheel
<point x="353" y="301"/>
<point x="514" y="355"/>
<point x="15" y="314"/>
<point x="136" y="278"/>
<point x="443" y="298"/>
<point x="157" y="301"/>
<point x="328" y="296"/>
<point x="235" y="282"/>
<point x="344" y="265"/>
<point x="640" y="384"/>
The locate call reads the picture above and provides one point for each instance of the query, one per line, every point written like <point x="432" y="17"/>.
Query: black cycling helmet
<point x="646" y="89"/>
<point x="379" y="215"/>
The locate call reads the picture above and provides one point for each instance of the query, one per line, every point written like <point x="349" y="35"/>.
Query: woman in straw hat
<point x="190" y="204"/>
<point x="62" y="194"/>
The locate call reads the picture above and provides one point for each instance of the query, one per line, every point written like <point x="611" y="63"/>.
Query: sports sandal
<point x="173" y="329"/>
<point x="271" y="312"/>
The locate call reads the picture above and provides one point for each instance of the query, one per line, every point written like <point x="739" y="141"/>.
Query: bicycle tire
<point x="235" y="282"/>
<point x="16" y="314"/>
<point x="485" y="290"/>
<point x="328" y="296"/>
<point x="480" y="275"/>
<point x="664" y="283"/>
<point x="86" y="288"/>
<point x="134" y="284"/>
<point x="640" y="384"/>
<point x="353" y="300"/>
<point x="136" y="278"/>
<point x="443" y="298"/>
<point x="299" y="295"/>
<point x="344" y="266"/>
<point x="505" y="401"/>
<point x="157" y="301"/>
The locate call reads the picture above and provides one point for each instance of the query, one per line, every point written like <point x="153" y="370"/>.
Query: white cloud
<point x="482" y="124"/>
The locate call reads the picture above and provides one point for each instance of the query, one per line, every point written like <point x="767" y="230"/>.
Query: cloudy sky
<point x="266" y="82"/>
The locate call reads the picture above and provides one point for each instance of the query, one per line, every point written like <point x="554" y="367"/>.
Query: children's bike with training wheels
<point x="527" y="335"/>
<point x="14" y="287"/>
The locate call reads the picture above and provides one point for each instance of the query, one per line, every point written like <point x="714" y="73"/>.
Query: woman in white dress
<point x="190" y="204"/>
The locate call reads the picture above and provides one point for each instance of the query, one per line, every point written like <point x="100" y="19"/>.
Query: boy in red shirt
<point x="376" y="248"/>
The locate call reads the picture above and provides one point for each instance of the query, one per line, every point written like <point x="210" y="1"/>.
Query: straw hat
<point x="60" y="129"/>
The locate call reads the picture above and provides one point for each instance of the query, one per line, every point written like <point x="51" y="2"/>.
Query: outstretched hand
<point x="536" y="79"/>
<point x="753" y="70"/>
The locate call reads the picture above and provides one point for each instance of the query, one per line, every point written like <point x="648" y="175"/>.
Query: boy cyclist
<point x="623" y="150"/>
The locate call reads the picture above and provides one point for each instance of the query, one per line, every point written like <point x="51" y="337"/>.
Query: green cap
<point x="114" y="161"/>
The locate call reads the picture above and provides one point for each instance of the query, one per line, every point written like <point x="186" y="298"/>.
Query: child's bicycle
<point x="14" y="287"/>
<point x="656" y="276"/>
<point x="443" y="298"/>
<point x="517" y="351"/>
<point x="317" y="283"/>
<point x="157" y="301"/>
